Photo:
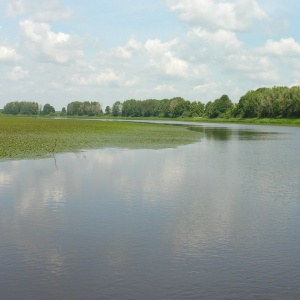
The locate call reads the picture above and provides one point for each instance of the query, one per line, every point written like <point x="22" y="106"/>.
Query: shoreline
<point x="251" y="121"/>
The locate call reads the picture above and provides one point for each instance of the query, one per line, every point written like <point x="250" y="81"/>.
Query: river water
<point x="217" y="219"/>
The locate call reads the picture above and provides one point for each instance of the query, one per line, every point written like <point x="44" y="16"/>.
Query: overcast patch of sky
<point x="111" y="50"/>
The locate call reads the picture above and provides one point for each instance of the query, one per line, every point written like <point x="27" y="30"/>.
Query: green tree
<point x="221" y="107"/>
<point x="85" y="108"/>
<point x="11" y="108"/>
<point x="129" y="108"/>
<point x="107" y="110"/>
<point x="48" y="109"/>
<point x="117" y="109"/>
<point x="176" y="107"/>
<point x="74" y="108"/>
<point x="248" y="106"/>
<point x="148" y="107"/>
<point x="63" y="111"/>
<point x="163" y="108"/>
<point x="197" y="109"/>
<point x="180" y="108"/>
<point x="278" y="101"/>
<point x="23" y="107"/>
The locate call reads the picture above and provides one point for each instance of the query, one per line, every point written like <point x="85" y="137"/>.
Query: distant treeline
<point x="33" y="108"/>
<point x="273" y="102"/>
<point x="86" y="108"/>
<point x="27" y="108"/>
<point x="171" y="108"/>
<point x="23" y="107"/>
<point x="167" y="108"/>
<point x="269" y="103"/>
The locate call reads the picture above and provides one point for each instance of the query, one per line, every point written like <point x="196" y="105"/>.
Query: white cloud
<point x="220" y="39"/>
<point x="48" y="45"/>
<point x="15" y="8"/>
<point x="17" y="73"/>
<point x="53" y="14"/>
<point x="156" y="47"/>
<point x="170" y="65"/>
<point x="205" y="87"/>
<point x="254" y="66"/>
<point x="8" y="54"/>
<point x="84" y="66"/>
<point x="157" y="55"/>
<point x="36" y="32"/>
<point x="238" y="15"/>
<point x="133" y="44"/>
<point x="296" y="81"/>
<point x="200" y="71"/>
<point x="163" y="60"/>
<point x="204" y="48"/>
<point x="122" y="52"/>
<point x="44" y="11"/>
<point x="265" y="76"/>
<point x="131" y="82"/>
<point x="285" y="47"/>
<point x="106" y="77"/>
<point x="55" y="85"/>
<point x="249" y="62"/>
<point x="165" y="88"/>
<point x="127" y="51"/>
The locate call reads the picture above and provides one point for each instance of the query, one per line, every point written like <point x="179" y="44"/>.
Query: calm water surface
<point x="218" y="219"/>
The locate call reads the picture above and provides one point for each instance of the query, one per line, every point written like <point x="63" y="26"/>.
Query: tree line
<point x="275" y="102"/>
<point x="27" y="108"/>
<point x="33" y="108"/>
<point x="23" y="107"/>
<point x="167" y="108"/>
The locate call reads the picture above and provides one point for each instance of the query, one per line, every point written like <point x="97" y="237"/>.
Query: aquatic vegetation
<point x="22" y="137"/>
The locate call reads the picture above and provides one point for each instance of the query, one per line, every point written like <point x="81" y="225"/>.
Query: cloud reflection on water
<point x="40" y="192"/>
<point x="102" y="215"/>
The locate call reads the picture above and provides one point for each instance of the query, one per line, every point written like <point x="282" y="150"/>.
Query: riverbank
<point x="258" y="121"/>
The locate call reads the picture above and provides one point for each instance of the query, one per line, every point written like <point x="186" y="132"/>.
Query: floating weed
<point x="40" y="137"/>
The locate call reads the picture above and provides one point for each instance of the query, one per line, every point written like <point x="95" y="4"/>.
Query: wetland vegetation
<point x="28" y="137"/>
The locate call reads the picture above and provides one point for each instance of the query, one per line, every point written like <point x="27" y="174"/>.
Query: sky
<point x="61" y="51"/>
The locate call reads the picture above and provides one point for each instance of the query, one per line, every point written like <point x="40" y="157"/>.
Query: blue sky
<point x="61" y="50"/>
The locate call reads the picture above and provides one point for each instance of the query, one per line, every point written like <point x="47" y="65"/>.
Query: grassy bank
<point x="22" y="137"/>
<point x="258" y="121"/>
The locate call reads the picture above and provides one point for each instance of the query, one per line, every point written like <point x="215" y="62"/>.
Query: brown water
<point x="218" y="219"/>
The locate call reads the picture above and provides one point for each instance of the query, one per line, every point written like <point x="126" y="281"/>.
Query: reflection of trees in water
<point x="220" y="134"/>
<point x="224" y="134"/>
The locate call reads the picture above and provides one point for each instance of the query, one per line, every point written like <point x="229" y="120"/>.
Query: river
<point x="217" y="219"/>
